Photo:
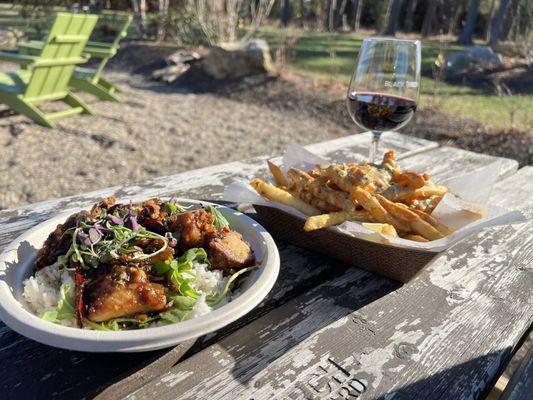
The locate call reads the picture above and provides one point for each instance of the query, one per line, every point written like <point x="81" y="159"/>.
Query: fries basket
<point x="386" y="260"/>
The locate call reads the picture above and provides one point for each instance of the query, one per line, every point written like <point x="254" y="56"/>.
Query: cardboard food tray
<point x="386" y="260"/>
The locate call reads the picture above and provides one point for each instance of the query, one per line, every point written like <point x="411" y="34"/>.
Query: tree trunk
<point x="489" y="20"/>
<point x="454" y="18"/>
<point x="409" y="12"/>
<point x="162" y="21"/>
<point x="429" y="17"/>
<point x="468" y="30"/>
<point x="339" y="15"/>
<point x="357" y="18"/>
<point x="394" y="14"/>
<point x="509" y="19"/>
<point x="329" y="12"/>
<point x="302" y="13"/>
<point x="285" y="13"/>
<point x="497" y="22"/>
<point x="139" y="10"/>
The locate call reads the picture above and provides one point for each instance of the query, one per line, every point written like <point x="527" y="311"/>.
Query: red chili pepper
<point x="80" y="285"/>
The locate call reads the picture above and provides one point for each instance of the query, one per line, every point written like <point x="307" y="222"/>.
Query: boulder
<point x="235" y="60"/>
<point x="473" y="58"/>
<point x="171" y="73"/>
<point x="9" y="38"/>
<point x="182" y="57"/>
<point x="176" y="65"/>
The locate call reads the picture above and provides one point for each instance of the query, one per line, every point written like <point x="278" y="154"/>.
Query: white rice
<point x="207" y="281"/>
<point x="42" y="291"/>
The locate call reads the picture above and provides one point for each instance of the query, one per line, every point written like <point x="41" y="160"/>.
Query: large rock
<point x="234" y="60"/>
<point x="473" y="58"/>
<point x="177" y="64"/>
<point x="9" y="38"/>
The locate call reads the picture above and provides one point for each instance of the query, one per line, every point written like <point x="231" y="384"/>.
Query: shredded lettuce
<point x="180" y="272"/>
<point x="213" y="300"/>
<point x="219" y="220"/>
<point x="65" y="306"/>
<point x="119" y="324"/>
<point x="173" y="207"/>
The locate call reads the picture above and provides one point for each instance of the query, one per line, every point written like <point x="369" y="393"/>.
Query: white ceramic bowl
<point x="16" y="265"/>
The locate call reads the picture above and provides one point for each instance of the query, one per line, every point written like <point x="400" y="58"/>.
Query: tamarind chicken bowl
<point x="129" y="277"/>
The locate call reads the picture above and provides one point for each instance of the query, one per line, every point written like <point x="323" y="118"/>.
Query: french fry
<point x="308" y="197"/>
<point x="433" y="202"/>
<point x="398" y="193"/>
<point x="428" y="191"/>
<point x="277" y="174"/>
<point x="414" y="180"/>
<point x="278" y="195"/>
<point x="300" y="181"/>
<point x="430" y="220"/>
<point x="376" y="210"/>
<point x="403" y="213"/>
<point x="382" y="228"/>
<point x="334" y="218"/>
<point x="416" y="238"/>
<point x="390" y="161"/>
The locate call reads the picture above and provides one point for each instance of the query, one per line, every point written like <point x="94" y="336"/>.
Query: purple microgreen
<point x="114" y="219"/>
<point x="84" y="238"/>
<point x="94" y="235"/>
<point x="131" y="222"/>
<point x="102" y="230"/>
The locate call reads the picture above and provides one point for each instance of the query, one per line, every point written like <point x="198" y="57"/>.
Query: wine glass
<point x="384" y="88"/>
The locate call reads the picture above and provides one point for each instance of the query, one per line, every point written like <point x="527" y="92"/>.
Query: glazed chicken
<point x="229" y="252"/>
<point x="192" y="228"/>
<point x="57" y="242"/>
<point x="125" y="291"/>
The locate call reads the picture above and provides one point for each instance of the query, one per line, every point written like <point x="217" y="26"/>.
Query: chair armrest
<point x="99" y="44"/>
<point x="99" y="51"/>
<point x="30" y="48"/>
<point x="17" y="58"/>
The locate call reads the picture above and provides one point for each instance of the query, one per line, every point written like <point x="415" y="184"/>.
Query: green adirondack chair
<point x="90" y="80"/>
<point x="47" y="75"/>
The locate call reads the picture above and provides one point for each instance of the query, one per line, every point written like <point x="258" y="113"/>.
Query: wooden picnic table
<point x="326" y="330"/>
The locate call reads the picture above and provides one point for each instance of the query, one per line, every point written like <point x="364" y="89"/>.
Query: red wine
<point x="380" y="111"/>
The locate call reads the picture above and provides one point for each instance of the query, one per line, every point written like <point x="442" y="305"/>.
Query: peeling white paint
<point x="172" y="379"/>
<point x="302" y="358"/>
<point x="374" y="362"/>
<point x="224" y="361"/>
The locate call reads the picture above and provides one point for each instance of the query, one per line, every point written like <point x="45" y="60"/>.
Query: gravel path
<point x="156" y="131"/>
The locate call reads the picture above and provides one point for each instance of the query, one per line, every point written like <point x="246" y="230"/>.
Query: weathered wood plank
<point x="439" y="161"/>
<point x="444" y="335"/>
<point x="520" y="386"/>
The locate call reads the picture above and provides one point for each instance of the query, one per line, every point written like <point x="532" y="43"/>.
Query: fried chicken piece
<point x="106" y="204"/>
<point x="229" y="252"/>
<point x="123" y="292"/>
<point x="152" y="215"/>
<point x="57" y="243"/>
<point x="192" y="228"/>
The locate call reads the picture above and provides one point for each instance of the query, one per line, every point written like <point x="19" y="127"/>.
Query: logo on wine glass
<point x="401" y="84"/>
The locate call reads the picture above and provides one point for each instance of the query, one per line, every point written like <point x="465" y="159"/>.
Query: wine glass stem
<point x="374" y="146"/>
